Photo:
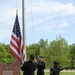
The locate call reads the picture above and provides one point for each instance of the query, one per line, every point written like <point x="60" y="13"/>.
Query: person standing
<point x="55" y="70"/>
<point x="29" y="67"/>
<point x="40" y="66"/>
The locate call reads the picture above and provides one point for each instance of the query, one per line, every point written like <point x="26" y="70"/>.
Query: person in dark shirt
<point x="56" y="69"/>
<point x="29" y="66"/>
<point x="40" y="66"/>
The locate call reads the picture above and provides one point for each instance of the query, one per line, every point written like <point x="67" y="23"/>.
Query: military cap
<point x="40" y="56"/>
<point x="55" y="62"/>
<point x="32" y="57"/>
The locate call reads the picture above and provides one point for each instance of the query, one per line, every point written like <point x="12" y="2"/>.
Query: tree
<point x="33" y="49"/>
<point x="43" y="45"/>
<point x="5" y="55"/>
<point x="37" y="49"/>
<point x="72" y="55"/>
<point x="58" y="50"/>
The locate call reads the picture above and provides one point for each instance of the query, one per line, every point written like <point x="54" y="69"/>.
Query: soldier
<point x="55" y="70"/>
<point x="40" y="66"/>
<point x="29" y="66"/>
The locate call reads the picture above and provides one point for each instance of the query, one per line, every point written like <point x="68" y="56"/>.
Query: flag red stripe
<point x="15" y="46"/>
<point x="16" y="40"/>
<point x="15" y="55"/>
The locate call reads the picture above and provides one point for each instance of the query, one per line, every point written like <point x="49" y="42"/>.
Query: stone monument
<point x="10" y="69"/>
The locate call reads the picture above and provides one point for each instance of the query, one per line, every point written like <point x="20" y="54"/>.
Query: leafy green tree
<point x="58" y="50"/>
<point x="5" y="55"/>
<point x="33" y="49"/>
<point x="29" y="50"/>
<point x="72" y="55"/>
<point x="43" y="45"/>
<point x="37" y="49"/>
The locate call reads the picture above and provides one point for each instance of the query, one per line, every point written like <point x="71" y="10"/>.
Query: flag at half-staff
<point x="16" y="43"/>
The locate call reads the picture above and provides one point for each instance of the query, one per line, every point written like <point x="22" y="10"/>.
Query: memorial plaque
<point x="10" y="69"/>
<point x="7" y="72"/>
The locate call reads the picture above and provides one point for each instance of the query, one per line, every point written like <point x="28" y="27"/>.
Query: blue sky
<point x="45" y="19"/>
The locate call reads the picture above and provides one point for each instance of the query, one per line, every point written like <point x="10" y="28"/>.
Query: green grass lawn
<point x="67" y="73"/>
<point x="62" y="73"/>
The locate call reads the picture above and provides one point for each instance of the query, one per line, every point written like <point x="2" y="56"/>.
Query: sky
<point x="44" y="19"/>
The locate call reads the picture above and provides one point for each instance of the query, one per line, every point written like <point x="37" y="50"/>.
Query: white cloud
<point x="64" y="9"/>
<point x="63" y="25"/>
<point x="61" y="28"/>
<point x="52" y="8"/>
<point x="43" y="10"/>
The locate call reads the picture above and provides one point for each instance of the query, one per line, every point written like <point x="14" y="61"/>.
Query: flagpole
<point x="23" y="25"/>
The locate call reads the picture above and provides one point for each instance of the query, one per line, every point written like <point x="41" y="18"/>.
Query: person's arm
<point x="44" y="65"/>
<point x="34" y="67"/>
<point x="41" y="64"/>
<point x="23" y="66"/>
<point x="50" y="71"/>
<point x="60" y="68"/>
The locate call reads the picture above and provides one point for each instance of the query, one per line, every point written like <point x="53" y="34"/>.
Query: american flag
<point x="16" y="43"/>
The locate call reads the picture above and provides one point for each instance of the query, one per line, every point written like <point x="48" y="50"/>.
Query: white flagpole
<point x="23" y="25"/>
